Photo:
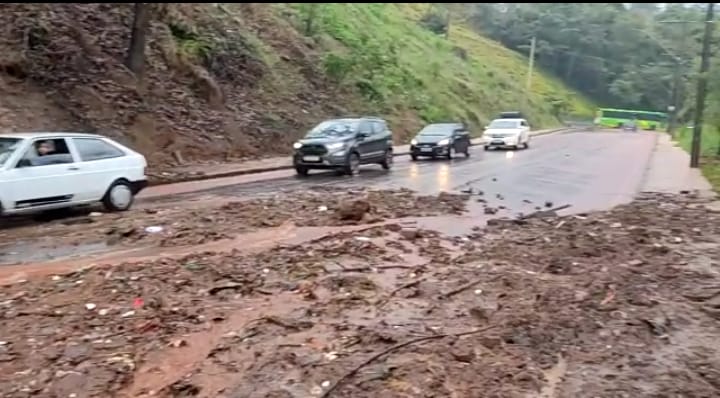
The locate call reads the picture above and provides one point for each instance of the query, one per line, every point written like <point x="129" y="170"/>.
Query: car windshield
<point x="504" y="124"/>
<point x="7" y="147"/>
<point x="333" y="128"/>
<point x="436" y="130"/>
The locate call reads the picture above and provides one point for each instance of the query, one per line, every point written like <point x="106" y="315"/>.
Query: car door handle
<point x="73" y="168"/>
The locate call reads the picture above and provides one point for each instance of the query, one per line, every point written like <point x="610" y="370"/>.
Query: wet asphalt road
<point x="589" y="170"/>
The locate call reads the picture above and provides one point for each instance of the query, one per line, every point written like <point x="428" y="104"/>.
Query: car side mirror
<point x="362" y="135"/>
<point x="23" y="163"/>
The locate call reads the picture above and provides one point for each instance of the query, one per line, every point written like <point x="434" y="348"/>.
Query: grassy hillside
<point x="226" y="81"/>
<point x="401" y="66"/>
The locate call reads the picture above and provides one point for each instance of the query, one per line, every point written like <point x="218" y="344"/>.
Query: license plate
<point x="311" y="158"/>
<point x="425" y="149"/>
<point x="498" y="142"/>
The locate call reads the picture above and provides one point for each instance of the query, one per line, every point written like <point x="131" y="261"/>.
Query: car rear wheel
<point x="388" y="161"/>
<point x="119" y="196"/>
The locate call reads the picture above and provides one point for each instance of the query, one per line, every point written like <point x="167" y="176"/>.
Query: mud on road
<point x="194" y="224"/>
<point x="624" y="303"/>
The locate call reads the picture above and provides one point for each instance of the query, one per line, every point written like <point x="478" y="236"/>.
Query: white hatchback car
<point x="45" y="171"/>
<point x="507" y="133"/>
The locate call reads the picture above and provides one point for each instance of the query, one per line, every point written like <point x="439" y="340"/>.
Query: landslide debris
<point x="617" y="303"/>
<point x="192" y="225"/>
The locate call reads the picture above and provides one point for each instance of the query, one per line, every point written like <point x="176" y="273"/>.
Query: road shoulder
<point x="669" y="171"/>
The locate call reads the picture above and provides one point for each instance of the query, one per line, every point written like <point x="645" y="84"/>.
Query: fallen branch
<point x="543" y="212"/>
<point x="395" y="348"/>
<point x="216" y="289"/>
<point x="462" y="288"/>
<point x="396" y="266"/>
<point x="385" y="300"/>
<point x="407" y="285"/>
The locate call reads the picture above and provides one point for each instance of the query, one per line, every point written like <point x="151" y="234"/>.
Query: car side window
<point x="46" y="152"/>
<point x="95" y="149"/>
<point x="378" y="127"/>
<point x="365" y="128"/>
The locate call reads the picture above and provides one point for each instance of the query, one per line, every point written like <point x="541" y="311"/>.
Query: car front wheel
<point x="353" y="164"/>
<point x="388" y="161"/>
<point x="119" y="196"/>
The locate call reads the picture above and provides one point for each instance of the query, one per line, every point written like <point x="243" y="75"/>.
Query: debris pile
<point x="580" y="305"/>
<point x="180" y="226"/>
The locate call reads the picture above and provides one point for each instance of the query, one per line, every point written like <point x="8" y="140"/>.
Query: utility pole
<point x="531" y="62"/>
<point x="675" y="98"/>
<point x="701" y="88"/>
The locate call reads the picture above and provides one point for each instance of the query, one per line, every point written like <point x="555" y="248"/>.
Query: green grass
<point x="380" y="51"/>
<point x="709" y="161"/>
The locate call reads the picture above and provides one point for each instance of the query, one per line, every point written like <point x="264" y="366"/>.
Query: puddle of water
<point x="27" y="252"/>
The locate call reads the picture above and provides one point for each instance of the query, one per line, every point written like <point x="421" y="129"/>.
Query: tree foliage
<point x="619" y="55"/>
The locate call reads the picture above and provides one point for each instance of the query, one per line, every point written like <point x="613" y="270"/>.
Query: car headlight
<point x="335" y="146"/>
<point x="297" y="145"/>
<point x="413" y="142"/>
<point x="444" y="142"/>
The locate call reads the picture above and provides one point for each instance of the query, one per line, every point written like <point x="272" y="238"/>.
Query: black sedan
<point x="441" y="140"/>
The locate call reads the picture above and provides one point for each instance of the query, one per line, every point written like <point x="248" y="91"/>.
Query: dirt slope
<point x="236" y="80"/>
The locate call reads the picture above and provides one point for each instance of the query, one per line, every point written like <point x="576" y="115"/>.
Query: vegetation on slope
<point x="222" y="81"/>
<point x="396" y="64"/>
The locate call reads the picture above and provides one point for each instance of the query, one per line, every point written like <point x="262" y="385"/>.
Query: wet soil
<point x="194" y="225"/>
<point x="624" y="303"/>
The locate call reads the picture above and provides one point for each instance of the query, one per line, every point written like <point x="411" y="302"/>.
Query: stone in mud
<point x="490" y="210"/>
<point x="353" y="210"/>
<point x="409" y="233"/>
<point x="490" y="342"/>
<point x="394" y="227"/>
<point x="480" y="314"/>
<point x="75" y="354"/>
<point x="464" y="353"/>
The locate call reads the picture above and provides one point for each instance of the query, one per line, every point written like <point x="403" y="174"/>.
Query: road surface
<point x="589" y="170"/>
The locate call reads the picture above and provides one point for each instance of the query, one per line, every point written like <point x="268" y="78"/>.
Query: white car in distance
<point x="47" y="171"/>
<point x="514" y="133"/>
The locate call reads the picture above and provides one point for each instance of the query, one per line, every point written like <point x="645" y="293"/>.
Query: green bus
<point x="617" y="118"/>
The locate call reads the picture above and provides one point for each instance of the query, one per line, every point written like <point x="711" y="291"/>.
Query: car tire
<point x="450" y="152"/>
<point x="413" y="158"/>
<point x="467" y="151"/>
<point x="119" y="197"/>
<point x="388" y="161"/>
<point x="527" y="144"/>
<point x="487" y="147"/>
<point x="353" y="164"/>
<point x="301" y="171"/>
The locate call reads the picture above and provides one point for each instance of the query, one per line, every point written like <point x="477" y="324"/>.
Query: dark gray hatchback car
<point x="344" y="145"/>
<point x="441" y="139"/>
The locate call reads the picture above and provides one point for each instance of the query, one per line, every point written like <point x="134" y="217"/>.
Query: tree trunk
<point x="135" y="59"/>
<point x="447" y="26"/>
<point x="310" y="18"/>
